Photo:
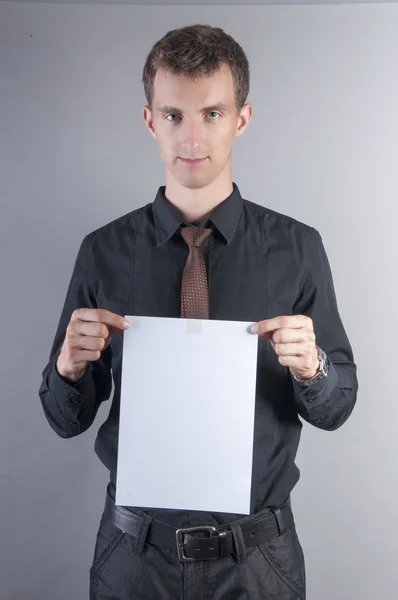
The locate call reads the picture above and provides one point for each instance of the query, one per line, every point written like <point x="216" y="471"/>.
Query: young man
<point x="202" y="251"/>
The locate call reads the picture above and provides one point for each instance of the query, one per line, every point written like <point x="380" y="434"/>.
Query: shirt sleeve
<point x="328" y="403"/>
<point x="71" y="407"/>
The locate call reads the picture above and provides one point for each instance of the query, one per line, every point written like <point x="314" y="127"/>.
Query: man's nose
<point x="192" y="136"/>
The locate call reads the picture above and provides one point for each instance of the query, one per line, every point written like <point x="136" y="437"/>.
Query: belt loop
<point x="138" y="542"/>
<point x="239" y="542"/>
<point x="280" y="521"/>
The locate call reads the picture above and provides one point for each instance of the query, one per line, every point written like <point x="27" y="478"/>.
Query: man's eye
<point x="212" y="112"/>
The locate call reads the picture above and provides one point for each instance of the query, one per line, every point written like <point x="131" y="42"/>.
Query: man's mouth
<point x="193" y="161"/>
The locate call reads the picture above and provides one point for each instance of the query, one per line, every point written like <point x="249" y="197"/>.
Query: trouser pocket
<point x="109" y="537"/>
<point x="285" y="556"/>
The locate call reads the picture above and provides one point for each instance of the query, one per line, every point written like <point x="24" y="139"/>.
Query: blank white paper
<point x="187" y="414"/>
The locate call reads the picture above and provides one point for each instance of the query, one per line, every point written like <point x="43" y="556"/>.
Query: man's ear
<point x="147" y="116"/>
<point x="244" y="119"/>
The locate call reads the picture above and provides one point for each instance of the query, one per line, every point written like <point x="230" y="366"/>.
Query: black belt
<point x="219" y="541"/>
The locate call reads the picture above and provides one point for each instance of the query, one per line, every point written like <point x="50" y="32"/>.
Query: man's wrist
<point x="71" y="377"/>
<point x="317" y="368"/>
<point x="321" y="371"/>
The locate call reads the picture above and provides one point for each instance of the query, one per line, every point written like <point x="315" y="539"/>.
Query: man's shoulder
<point x="273" y="218"/>
<point x="127" y="222"/>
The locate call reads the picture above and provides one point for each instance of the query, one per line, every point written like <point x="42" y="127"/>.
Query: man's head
<point x="196" y="81"/>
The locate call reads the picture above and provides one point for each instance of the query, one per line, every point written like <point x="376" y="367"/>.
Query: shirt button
<point x="74" y="398"/>
<point x="310" y="395"/>
<point x="73" y="423"/>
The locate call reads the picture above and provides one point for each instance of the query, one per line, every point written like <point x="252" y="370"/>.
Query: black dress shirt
<point x="261" y="264"/>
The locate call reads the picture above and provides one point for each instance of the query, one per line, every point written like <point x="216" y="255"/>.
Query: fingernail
<point x="254" y="328"/>
<point x="126" y="323"/>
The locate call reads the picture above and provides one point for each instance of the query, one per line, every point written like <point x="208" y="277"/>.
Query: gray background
<point x="322" y="146"/>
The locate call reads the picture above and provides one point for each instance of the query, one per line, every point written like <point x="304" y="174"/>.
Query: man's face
<point x="195" y="120"/>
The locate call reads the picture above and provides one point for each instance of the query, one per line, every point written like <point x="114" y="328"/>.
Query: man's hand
<point x="293" y="339"/>
<point x="89" y="332"/>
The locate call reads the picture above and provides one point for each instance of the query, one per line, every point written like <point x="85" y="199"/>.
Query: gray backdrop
<point x="322" y="147"/>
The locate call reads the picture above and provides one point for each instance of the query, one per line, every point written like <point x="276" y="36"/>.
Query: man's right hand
<point x="89" y="332"/>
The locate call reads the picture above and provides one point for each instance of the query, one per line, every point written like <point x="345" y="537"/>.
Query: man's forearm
<point x="328" y="404"/>
<point x="70" y="408"/>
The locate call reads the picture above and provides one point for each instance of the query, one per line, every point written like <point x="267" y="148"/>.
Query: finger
<point x="80" y="357"/>
<point x="77" y="356"/>
<point x="89" y="328"/>
<point x="293" y="362"/>
<point x="286" y="335"/>
<point x="107" y="341"/>
<point x="86" y="342"/>
<point x="101" y="315"/>
<point x="288" y="321"/>
<point x="97" y="329"/>
<point x="291" y="349"/>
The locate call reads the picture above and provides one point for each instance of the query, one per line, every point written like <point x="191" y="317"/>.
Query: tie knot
<point x="195" y="236"/>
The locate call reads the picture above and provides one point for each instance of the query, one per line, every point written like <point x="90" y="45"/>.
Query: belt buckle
<point x="180" y="542"/>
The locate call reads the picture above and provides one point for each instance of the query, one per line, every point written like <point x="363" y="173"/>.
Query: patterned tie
<point x="194" y="290"/>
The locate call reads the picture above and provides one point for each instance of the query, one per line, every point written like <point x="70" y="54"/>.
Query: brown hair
<point x="194" y="51"/>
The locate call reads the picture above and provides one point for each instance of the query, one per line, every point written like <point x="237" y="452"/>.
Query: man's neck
<point x="196" y="205"/>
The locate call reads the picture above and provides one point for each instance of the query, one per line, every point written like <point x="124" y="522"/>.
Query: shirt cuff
<point x="316" y="393"/>
<point x="71" y="392"/>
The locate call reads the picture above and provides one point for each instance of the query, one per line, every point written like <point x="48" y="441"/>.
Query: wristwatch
<point x="321" y="373"/>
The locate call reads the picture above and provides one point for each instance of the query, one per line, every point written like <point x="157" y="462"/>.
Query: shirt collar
<point x="225" y="216"/>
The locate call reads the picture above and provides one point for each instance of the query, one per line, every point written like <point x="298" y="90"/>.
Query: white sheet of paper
<point x="187" y="414"/>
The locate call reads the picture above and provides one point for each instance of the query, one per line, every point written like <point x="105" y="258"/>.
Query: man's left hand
<point x="293" y="339"/>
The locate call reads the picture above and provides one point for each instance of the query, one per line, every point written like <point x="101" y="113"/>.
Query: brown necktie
<point x="194" y="290"/>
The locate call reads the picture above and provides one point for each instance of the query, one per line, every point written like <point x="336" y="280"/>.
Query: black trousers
<point x="273" y="570"/>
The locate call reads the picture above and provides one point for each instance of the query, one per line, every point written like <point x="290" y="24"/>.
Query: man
<point x="202" y="251"/>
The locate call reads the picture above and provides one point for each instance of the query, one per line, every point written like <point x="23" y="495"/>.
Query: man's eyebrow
<point x="219" y="106"/>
